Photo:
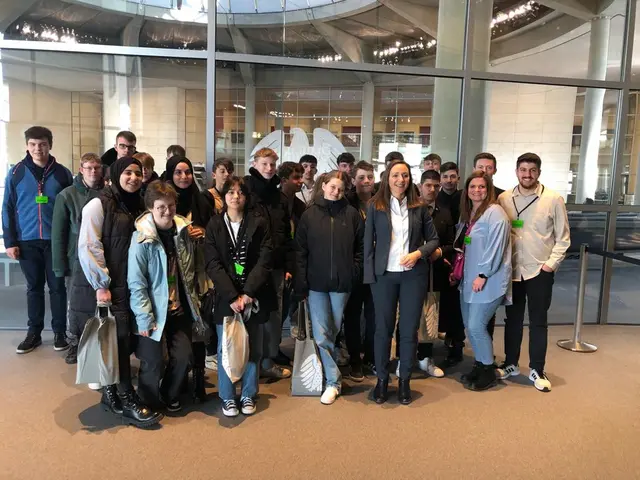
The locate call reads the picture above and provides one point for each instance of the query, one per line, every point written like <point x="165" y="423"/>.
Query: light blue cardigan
<point x="488" y="253"/>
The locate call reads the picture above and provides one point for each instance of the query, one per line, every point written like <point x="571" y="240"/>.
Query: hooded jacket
<point x="329" y="248"/>
<point x="66" y="223"/>
<point x="147" y="275"/>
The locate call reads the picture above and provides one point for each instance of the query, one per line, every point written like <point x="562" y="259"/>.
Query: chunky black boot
<point x="199" y="392"/>
<point x="485" y="380"/>
<point x="137" y="414"/>
<point x="110" y="401"/>
<point x="380" y="392"/>
<point x="404" y="391"/>
<point x="472" y="376"/>
<point x="72" y="355"/>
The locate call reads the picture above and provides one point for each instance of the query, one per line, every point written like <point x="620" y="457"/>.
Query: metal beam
<point x="131" y="32"/>
<point x="582" y="9"/>
<point x="11" y="10"/>
<point x="424" y="18"/>
<point x="242" y="45"/>
<point x="346" y="45"/>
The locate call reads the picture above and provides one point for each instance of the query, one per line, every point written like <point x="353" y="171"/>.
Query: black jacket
<point x="451" y="203"/>
<point x="143" y="189"/>
<point x="296" y="208"/>
<point x="329" y="248"/>
<point x="377" y="239"/>
<point x="498" y="191"/>
<point x="446" y="228"/>
<point x="267" y="197"/>
<point x="220" y="268"/>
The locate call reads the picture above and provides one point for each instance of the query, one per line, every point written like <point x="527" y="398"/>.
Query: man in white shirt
<point x="310" y="165"/>
<point x="540" y="236"/>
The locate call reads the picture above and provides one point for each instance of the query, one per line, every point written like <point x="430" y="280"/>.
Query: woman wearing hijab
<point x="196" y="209"/>
<point x="108" y="222"/>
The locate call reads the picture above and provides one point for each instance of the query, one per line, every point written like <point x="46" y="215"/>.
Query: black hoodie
<point x="329" y="248"/>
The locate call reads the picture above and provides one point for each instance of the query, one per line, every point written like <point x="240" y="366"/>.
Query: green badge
<point x="239" y="268"/>
<point x="467" y="240"/>
<point x="42" y="199"/>
<point x="517" y="223"/>
<point x="172" y="279"/>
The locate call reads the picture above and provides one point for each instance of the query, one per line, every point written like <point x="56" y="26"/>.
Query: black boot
<point x="199" y="392"/>
<point x="135" y="413"/>
<point x="72" y="355"/>
<point x="473" y="375"/>
<point x="454" y="357"/>
<point x="404" y="391"/>
<point x="485" y="380"/>
<point x="110" y="401"/>
<point x="380" y="392"/>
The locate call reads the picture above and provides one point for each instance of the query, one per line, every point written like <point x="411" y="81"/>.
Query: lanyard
<point x="520" y="212"/>
<point x="234" y="237"/>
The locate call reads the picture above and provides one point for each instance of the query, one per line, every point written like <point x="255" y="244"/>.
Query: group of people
<point x="172" y="262"/>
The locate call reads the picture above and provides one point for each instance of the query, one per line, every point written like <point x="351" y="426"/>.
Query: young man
<point x="125" y="146"/>
<point x="222" y="169"/>
<point x="540" y="237"/>
<point x="174" y="150"/>
<point x="432" y="162"/>
<point x="64" y="233"/>
<point x="291" y="182"/>
<point x="361" y="293"/>
<point x="449" y="196"/>
<point x="310" y="165"/>
<point x="486" y="162"/>
<point x="345" y="162"/>
<point x="148" y="174"/>
<point x="31" y="188"/>
<point x="265" y="195"/>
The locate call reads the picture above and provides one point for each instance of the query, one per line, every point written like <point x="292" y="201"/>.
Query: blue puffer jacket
<point x="22" y="218"/>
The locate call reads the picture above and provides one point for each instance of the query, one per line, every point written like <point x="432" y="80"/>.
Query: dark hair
<point x="445" y="167"/>
<point x="429" y="175"/>
<point x="363" y="165"/>
<point x="382" y="198"/>
<point x="159" y="190"/>
<point x="432" y="157"/>
<point x="286" y="169"/>
<point x="38" y="133"/>
<point x="229" y="184"/>
<point x="226" y="163"/>
<point x="465" y="202"/>
<point x="174" y="150"/>
<point x="529" y="158"/>
<point x="345" y="157"/>
<point x="308" y="159"/>
<point x="127" y="135"/>
<point x="391" y="156"/>
<point x="487" y="155"/>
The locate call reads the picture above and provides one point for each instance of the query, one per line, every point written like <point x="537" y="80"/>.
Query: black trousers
<point x="177" y="334"/>
<point x="36" y="265"/>
<point x="360" y="297"/>
<point x="451" y="317"/>
<point x="536" y="293"/>
<point x="126" y="345"/>
<point x="406" y="291"/>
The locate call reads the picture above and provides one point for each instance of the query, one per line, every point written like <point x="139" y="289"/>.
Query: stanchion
<point x="576" y="344"/>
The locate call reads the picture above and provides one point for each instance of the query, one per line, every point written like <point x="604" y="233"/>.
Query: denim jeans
<point x="226" y="389"/>
<point x="476" y="317"/>
<point x="325" y="312"/>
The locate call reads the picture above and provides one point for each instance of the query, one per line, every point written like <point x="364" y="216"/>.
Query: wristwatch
<point x="482" y="275"/>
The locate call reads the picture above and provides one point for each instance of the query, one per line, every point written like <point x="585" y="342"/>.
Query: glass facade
<point x="455" y="77"/>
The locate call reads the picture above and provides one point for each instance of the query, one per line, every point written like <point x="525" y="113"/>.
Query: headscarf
<point x="131" y="200"/>
<point x="186" y="196"/>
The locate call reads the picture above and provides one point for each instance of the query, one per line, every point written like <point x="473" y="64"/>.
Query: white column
<point x="366" y="131"/>
<point x="249" y="119"/>
<point x="116" y="108"/>
<point x="593" y="107"/>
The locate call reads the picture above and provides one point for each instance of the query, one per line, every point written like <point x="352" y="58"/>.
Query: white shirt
<point x="234" y="228"/>
<point x="399" y="234"/>
<point x="306" y="193"/>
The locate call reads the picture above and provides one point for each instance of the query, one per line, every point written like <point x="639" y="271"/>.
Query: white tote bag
<point x="235" y="343"/>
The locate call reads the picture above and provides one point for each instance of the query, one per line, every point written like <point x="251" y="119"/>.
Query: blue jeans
<point x="325" y="312"/>
<point x="226" y="389"/>
<point x="476" y="317"/>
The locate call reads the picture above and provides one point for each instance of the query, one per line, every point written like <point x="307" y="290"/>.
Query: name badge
<point x="172" y="279"/>
<point x="239" y="268"/>
<point x="467" y="240"/>
<point x="42" y="199"/>
<point x="517" y="223"/>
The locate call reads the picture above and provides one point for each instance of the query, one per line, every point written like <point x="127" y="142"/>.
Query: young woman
<point x="222" y="170"/>
<point x="196" y="209"/>
<point x="329" y="256"/>
<point x="483" y="235"/>
<point x="162" y="282"/>
<point x="399" y="238"/>
<point x="238" y="259"/>
<point x="103" y="249"/>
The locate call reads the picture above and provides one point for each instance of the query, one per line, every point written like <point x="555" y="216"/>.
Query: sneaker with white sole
<point x="230" y="408"/>
<point x="427" y="365"/>
<point x="505" y="371"/>
<point x="211" y="362"/>
<point x="275" y="371"/>
<point x="248" y="406"/>
<point x="94" y="386"/>
<point x="540" y="380"/>
<point x="329" y="396"/>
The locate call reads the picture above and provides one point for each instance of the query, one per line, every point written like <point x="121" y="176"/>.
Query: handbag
<point x="458" y="261"/>
<point x="98" y="350"/>
<point x="307" y="377"/>
<point x="428" y="330"/>
<point x="235" y="343"/>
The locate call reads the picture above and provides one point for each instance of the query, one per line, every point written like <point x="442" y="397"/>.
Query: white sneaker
<point x="248" y="406"/>
<point x="505" y="371"/>
<point x="398" y="370"/>
<point x="211" y="362"/>
<point x="230" y="408"/>
<point x="329" y="396"/>
<point x="540" y="380"/>
<point x="427" y="365"/>
<point x="94" y="386"/>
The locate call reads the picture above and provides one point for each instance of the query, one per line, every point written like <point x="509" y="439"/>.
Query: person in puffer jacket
<point x="329" y="262"/>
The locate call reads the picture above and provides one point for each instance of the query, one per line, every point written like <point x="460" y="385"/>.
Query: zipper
<point x="40" y="190"/>
<point x="331" y="268"/>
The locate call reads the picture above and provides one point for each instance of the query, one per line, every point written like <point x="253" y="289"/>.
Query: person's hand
<point x="478" y="284"/>
<point x="447" y="263"/>
<point x="544" y="267"/>
<point x="195" y="233"/>
<point x="247" y="300"/>
<point x="410" y="259"/>
<point x="287" y="277"/>
<point x="13" y="253"/>
<point x="146" y="333"/>
<point x="452" y="280"/>
<point x="437" y="253"/>
<point x="103" y="296"/>
<point x="238" y="305"/>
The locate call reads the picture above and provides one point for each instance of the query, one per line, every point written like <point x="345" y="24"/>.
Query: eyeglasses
<point x="163" y="209"/>
<point x="123" y="146"/>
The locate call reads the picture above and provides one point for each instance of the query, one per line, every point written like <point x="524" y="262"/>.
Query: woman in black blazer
<point x="399" y="237"/>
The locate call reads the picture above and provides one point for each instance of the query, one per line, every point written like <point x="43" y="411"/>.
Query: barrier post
<point x="576" y="344"/>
